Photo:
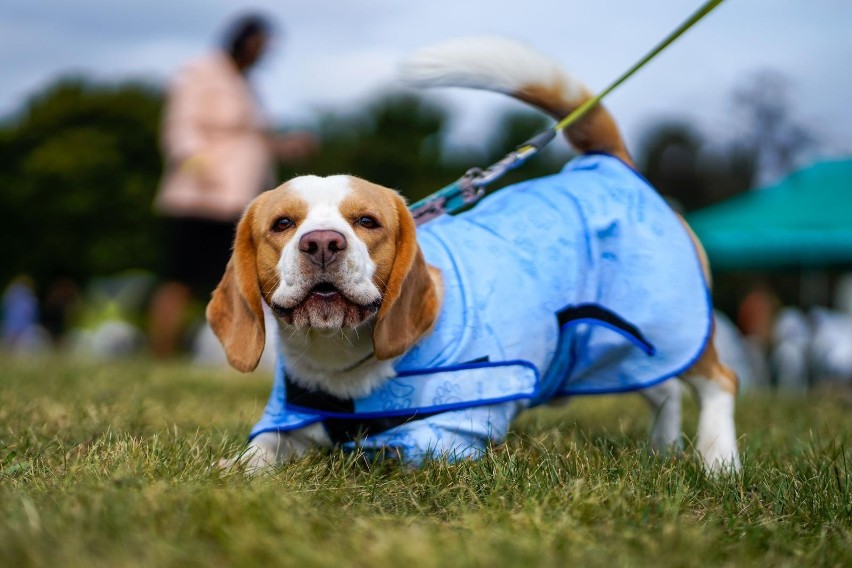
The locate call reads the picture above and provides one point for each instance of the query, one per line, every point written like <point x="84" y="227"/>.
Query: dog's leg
<point x="271" y="448"/>
<point x="665" y="402"/>
<point x="715" y="386"/>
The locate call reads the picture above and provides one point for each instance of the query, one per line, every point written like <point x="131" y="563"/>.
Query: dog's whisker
<point x="302" y="354"/>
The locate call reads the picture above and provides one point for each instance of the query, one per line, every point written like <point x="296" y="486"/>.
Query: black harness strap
<point x="342" y="430"/>
<point x="595" y="312"/>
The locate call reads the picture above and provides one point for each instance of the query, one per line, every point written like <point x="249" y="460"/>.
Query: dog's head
<point x="325" y="254"/>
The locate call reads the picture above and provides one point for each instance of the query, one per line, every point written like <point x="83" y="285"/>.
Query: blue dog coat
<point x="577" y="283"/>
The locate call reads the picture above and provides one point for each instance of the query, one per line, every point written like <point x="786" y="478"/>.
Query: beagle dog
<point x="426" y="342"/>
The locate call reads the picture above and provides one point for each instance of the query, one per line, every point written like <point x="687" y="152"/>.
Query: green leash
<point x="469" y="188"/>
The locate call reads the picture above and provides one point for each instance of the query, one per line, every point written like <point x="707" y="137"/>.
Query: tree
<point x="771" y="132"/>
<point x="765" y="142"/>
<point x="80" y="168"/>
<point x="398" y="141"/>
<point x="669" y="158"/>
<point x="394" y="141"/>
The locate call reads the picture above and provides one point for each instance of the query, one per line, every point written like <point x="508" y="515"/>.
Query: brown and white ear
<point x="410" y="303"/>
<point x="235" y="312"/>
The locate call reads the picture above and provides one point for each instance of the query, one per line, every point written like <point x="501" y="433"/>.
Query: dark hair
<point x="243" y="28"/>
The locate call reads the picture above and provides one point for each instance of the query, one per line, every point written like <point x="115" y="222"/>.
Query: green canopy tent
<point x="803" y="221"/>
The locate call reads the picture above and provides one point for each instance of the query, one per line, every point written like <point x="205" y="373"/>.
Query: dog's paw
<point x="720" y="460"/>
<point x="226" y="463"/>
<point x="251" y="462"/>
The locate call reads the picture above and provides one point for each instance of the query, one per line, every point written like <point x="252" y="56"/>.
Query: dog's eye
<point x="367" y="222"/>
<point x="282" y="224"/>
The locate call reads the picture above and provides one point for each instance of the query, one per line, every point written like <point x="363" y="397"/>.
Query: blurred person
<point x="749" y="364"/>
<point x="20" y="318"/>
<point x="831" y="347"/>
<point x="756" y="314"/>
<point x="61" y="305"/>
<point x="756" y="318"/>
<point x="843" y="294"/>
<point x="792" y="334"/>
<point x="219" y="154"/>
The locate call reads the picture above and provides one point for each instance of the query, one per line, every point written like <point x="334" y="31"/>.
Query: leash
<point x="470" y="188"/>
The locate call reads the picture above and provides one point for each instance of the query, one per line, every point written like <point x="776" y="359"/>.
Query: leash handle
<point x="470" y="188"/>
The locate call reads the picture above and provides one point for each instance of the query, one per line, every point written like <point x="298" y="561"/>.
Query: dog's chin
<point x="326" y="308"/>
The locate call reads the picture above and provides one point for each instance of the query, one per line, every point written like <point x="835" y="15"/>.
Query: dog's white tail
<point x="515" y="69"/>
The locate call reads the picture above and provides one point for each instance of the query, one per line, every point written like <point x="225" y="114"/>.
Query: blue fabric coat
<point x="577" y="283"/>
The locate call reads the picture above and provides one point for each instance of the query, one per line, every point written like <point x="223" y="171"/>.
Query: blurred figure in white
<point x="747" y="362"/>
<point x="843" y="294"/>
<point x="831" y="347"/>
<point x="790" y="354"/>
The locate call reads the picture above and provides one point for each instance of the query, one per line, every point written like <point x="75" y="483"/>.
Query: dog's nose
<point x="322" y="246"/>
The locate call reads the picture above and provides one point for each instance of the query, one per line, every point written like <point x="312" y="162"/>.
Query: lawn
<point x="107" y="464"/>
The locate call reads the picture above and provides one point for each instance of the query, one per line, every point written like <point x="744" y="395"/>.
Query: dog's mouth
<point x="324" y="291"/>
<point x="321" y="302"/>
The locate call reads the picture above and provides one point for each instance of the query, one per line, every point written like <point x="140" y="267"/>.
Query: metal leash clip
<point x="426" y="210"/>
<point x="470" y="188"/>
<point x="512" y="160"/>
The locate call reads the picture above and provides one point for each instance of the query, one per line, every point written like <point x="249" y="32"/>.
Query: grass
<point x="107" y="464"/>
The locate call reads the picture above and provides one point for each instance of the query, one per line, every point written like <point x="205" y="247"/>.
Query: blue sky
<point x="338" y="53"/>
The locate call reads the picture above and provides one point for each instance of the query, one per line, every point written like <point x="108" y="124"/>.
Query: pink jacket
<point x="212" y="117"/>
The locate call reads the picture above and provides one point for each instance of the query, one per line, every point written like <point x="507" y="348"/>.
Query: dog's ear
<point x="235" y="311"/>
<point x="410" y="302"/>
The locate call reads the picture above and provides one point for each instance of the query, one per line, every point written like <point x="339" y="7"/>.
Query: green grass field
<point x="108" y="465"/>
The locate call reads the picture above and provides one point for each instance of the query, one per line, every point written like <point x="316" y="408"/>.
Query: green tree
<point x="394" y="141"/>
<point x="684" y="167"/>
<point x="398" y="141"/>
<point x="80" y="165"/>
